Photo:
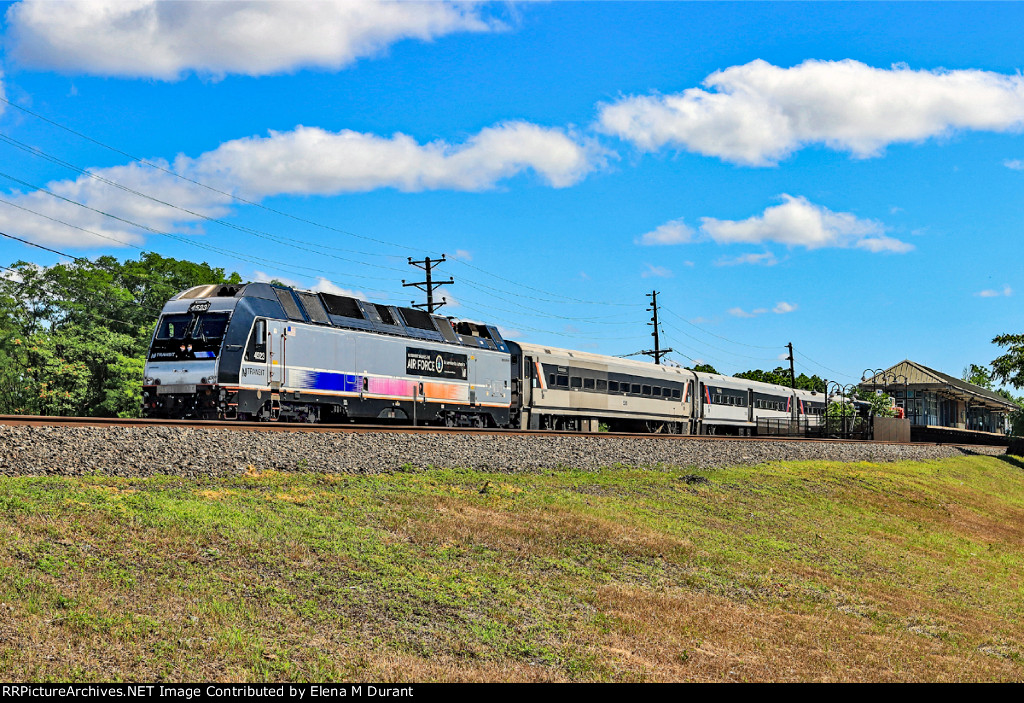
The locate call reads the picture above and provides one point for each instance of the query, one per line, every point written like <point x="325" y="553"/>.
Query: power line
<point x="193" y="213"/>
<point x="158" y="167"/>
<point x="282" y="213"/>
<point x="250" y="259"/>
<point x="742" y="344"/>
<point x="247" y="230"/>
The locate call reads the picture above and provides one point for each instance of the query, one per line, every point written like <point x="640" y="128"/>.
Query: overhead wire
<point x="742" y="344"/>
<point x="246" y="201"/>
<point x="191" y="242"/>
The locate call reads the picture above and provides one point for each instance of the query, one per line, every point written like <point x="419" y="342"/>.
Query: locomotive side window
<point x="613" y="386"/>
<point x="588" y="384"/>
<point x="602" y="385"/>
<point x="676" y="394"/>
<point x="563" y="382"/>
<point x="551" y="380"/>
<point x="256" y="349"/>
<point x="634" y="388"/>
<point x="646" y="390"/>
<point x="575" y="383"/>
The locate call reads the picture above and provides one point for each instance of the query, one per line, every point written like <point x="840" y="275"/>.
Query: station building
<point x="940" y="406"/>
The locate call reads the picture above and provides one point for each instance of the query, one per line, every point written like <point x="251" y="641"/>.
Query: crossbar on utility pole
<point x="428" y="285"/>
<point x="657" y="352"/>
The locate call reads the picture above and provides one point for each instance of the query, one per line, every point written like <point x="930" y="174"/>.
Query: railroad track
<point x="51" y="421"/>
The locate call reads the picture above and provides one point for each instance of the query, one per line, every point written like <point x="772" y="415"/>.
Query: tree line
<point x="73" y="336"/>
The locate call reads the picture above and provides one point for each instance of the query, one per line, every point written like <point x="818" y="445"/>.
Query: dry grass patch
<point x="795" y="571"/>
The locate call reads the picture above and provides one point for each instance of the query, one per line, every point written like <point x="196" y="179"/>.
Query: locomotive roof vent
<point x="215" y="290"/>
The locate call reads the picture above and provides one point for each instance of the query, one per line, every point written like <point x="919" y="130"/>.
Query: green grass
<point x="785" y="571"/>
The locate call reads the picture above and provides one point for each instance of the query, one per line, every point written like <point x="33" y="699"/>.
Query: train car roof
<point x="720" y="379"/>
<point x="589" y="357"/>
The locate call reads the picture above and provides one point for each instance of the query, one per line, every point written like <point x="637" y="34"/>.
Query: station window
<point x="588" y="384"/>
<point x="575" y="382"/>
<point x="613" y="386"/>
<point x="602" y="385"/>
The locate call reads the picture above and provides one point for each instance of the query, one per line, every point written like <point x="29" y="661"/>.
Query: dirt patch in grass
<point x="810" y="571"/>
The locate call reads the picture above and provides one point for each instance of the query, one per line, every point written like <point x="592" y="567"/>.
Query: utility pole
<point x="792" y="377"/>
<point x="657" y="352"/>
<point x="428" y="285"/>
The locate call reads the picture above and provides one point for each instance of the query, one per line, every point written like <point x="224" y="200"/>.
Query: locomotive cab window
<point x="173" y="326"/>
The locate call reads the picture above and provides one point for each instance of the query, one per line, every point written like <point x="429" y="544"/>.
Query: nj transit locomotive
<point x="264" y="352"/>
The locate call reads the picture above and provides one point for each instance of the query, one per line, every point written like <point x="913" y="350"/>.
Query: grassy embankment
<point x="786" y="571"/>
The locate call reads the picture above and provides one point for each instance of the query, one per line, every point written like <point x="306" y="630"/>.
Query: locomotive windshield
<point x="189" y="336"/>
<point x="174" y="326"/>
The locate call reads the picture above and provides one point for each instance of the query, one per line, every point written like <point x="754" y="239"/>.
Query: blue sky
<point x="845" y="177"/>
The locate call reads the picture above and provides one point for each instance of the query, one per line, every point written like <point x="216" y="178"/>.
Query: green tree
<point x="780" y="377"/>
<point x="73" y="337"/>
<point x="980" y="376"/>
<point x="1009" y="367"/>
<point x="703" y="368"/>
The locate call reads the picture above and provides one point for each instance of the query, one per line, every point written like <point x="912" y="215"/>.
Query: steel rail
<point x="352" y="428"/>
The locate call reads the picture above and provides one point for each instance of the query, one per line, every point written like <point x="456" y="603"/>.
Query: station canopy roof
<point x="920" y="377"/>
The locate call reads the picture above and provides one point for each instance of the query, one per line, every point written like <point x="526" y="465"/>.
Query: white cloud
<point x="656" y="272"/>
<point x="757" y="114"/>
<point x="765" y="259"/>
<point x="322" y="285"/>
<point x="1014" y="164"/>
<point x="309" y="160"/>
<point x="991" y="293"/>
<point x="672" y="232"/>
<point x="463" y="255"/>
<point x="305" y="161"/>
<point x="798" y="222"/>
<point x="740" y="312"/>
<point x="780" y="309"/>
<point x="165" y="40"/>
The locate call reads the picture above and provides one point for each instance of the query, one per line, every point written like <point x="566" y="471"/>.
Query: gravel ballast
<point x="201" y="452"/>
